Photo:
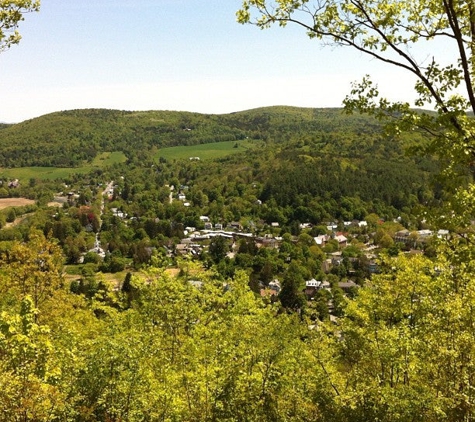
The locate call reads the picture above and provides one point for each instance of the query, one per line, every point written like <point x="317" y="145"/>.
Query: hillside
<point x="71" y="138"/>
<point x="308" y="164"/>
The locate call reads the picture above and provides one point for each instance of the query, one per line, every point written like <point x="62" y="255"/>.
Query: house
<point x="402" y="236"/>
<point x="271" y="291"/>
<point x="347" y="286"/>
<point x="313" y="283"/>
<point x="117" y="213"/>
<point x="327" y="265"/>
<point x="181" y="249"/>
<point x="373" y="267"/>
<point x="442" y="233"/>
<point x="188" y="247"/>
<point x="311" y="287"/>
<point x="342" y="240"/>
<point x="321" y="239"/>
<point x="275" y="286"/>
<point x="267" y="293"/>
<point x="336" y="258"/>
<point x="235" y="225"/>
<point x="204" y="218"/>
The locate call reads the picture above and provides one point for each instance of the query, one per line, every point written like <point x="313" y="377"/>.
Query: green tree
<point x="11" y="14"/>
<point x="291" y="296"/>
<point x="386" y="241"/>
<point x="29" y="375"/>
<point x="32" y="269"/>
<point x="400" y="347"/>
<point x="11" y="215"/>
<point x="399" y="34"/>
<point x="218" y="248"/>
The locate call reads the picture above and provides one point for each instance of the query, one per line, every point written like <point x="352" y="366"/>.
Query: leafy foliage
<point x="11" y="14"/>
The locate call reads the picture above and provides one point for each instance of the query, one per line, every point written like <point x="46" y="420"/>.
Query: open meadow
<point x="52" y="173"/>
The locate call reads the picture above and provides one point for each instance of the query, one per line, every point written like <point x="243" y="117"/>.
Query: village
<point x="346" y="251"/>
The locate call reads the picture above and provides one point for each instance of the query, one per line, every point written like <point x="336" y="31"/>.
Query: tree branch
<point x="454" y="24"/>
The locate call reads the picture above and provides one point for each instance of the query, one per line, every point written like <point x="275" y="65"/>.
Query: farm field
<point x="51" y="173"/>
<point x="14" y="202"/>
<point x="205" y="151"/>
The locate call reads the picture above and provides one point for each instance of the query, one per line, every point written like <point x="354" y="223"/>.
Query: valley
<point x="177" y="263"/>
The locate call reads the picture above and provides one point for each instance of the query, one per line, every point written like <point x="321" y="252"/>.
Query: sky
<point x="186" y="55"/>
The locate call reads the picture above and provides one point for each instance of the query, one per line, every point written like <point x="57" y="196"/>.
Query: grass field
<point x="205" y="151"/>
<point x="50" y="173"/>
<point x="41" y="173"/>
<point x="109" y="158"/>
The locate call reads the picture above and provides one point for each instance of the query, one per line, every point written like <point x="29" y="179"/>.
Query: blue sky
<point x="186" y="55"/>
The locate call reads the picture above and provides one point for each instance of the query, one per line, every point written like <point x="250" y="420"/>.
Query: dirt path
<point x="16" y="222"/>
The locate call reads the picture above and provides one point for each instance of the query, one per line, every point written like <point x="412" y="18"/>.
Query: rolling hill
<point x="73" y="138"/>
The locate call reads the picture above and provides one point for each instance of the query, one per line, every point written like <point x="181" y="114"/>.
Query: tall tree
<point x="218" y="248"/>
<point x="291" y="296"/>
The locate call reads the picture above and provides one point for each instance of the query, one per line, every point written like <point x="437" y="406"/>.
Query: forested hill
<point x="70" y="138"/>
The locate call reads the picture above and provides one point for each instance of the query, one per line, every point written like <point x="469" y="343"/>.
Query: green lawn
<point x="42" y="173"/>
<point x="50" y="173"/>
<point x="109" y="158"/>
<point x="205" y="151"/>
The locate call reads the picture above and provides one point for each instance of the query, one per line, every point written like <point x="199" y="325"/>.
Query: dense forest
<point x="194" y="347"/>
